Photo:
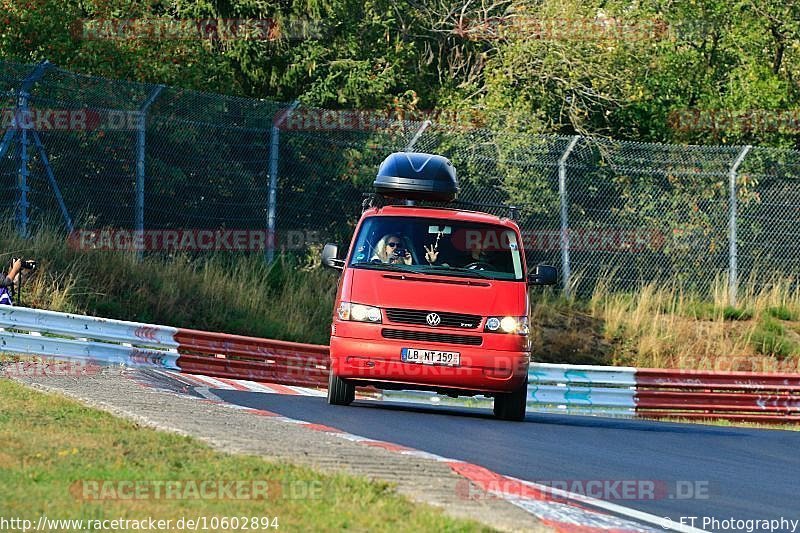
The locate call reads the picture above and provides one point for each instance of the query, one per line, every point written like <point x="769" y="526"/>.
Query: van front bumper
<point x="379" y="362"/>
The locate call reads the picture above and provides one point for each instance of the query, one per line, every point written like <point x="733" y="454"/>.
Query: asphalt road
<point x="704" y="471"/>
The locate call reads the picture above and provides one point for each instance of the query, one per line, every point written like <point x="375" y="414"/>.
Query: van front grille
<point x="448" y="320"/>
<point x="430" y="336"/>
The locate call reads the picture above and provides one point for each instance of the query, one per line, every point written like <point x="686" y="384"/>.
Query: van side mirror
<point x="543" y="275"/>
<point x="330" y="256"/>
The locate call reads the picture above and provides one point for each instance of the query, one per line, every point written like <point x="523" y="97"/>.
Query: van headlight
<point x="359" y="313"/>
<point x="508" y="324"/>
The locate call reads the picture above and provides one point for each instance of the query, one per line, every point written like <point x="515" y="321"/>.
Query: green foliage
<point x="35" y="30"/>
<point x="782" y="312"/>
<point x="597" y="67"/>
<point x="708" y="310"/>
<point x="736" y="313"/>
<point x="770" y="338"/>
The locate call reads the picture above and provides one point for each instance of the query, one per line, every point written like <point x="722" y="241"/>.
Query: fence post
<point x="22" y="179"/>
<point x="562" y="196"/>
<point x="274" y="148"/>
<point x="733" y="267"/>
<point x="22" y="185"/>
<point x="141" y="124"/>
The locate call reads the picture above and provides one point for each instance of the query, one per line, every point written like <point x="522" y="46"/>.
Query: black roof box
<point x="417" y="176"/>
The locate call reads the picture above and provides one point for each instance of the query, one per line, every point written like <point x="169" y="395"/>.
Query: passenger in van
<point x="390" y="249"/>
<point x="477" y="258"/>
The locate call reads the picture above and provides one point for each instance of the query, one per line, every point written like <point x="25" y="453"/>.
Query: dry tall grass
<point x="665" y="327"/>
<point x="234" y="293"/>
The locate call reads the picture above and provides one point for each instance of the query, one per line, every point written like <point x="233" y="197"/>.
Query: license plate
<point x="430" y="357"/>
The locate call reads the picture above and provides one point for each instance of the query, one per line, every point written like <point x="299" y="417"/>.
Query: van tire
<point x="340" y="391"/>
<point x="511" y="405"/>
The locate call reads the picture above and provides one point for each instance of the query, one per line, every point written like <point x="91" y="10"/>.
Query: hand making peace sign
<point x="431" y="253"/>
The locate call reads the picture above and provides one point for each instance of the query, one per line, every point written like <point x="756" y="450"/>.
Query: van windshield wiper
<point x="426" y="269"/>
<point x="477" y="273"/>
<point x="383" y="266"/>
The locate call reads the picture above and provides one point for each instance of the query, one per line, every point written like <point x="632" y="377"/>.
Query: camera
<point x="27" y="265"/>
<point x="400" y="252"/>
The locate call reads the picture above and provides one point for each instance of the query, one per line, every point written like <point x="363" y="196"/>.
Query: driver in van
<point x="478" y="254"/>
<point x="476" y="258"/>
<point x="390" y="250"/>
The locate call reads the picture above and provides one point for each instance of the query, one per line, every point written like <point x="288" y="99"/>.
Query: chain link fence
<point x="99" y="154"/>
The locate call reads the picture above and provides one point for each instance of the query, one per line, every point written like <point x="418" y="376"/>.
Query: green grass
<point x="49" y="446"/>
<point x="661" y="325"/>
<point x="770" y="338"/>
<point x="735" y="313"/>
<point x="782" y="312"/>
<point x="709" y="310"/>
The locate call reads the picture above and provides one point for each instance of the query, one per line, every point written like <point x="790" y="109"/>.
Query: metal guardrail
<point x="102" y="340"/>
<point x="653" y="393"/>
<point x="70" y="336"/>
<point x="555" y="388"/>
<point x="239" y="357"/>
<point x="43" y="321"/>
<point x="573" y="389"/>
<point x="740" y="396"/>
<point x="582" y="389"/>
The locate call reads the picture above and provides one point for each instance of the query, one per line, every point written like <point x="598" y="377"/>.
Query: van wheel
<point x="340" y="392"/>
<point x="511" y="406"/>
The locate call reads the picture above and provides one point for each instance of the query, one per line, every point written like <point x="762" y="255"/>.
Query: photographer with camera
<point x="390" y="250"/>
<point x="13" y="277"/>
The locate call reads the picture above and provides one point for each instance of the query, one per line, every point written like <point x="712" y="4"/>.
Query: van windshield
<point x="440" y="246"/>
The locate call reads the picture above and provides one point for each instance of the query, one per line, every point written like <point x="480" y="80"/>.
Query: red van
<point x="432" y="298"/>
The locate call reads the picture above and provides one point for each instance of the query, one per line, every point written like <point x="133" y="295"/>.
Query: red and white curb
<point x="246" y="385"/>
<point x="562" y="510"/>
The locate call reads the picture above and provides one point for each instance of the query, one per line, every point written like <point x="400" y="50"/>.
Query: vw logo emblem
<point x="433" y="319"/>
